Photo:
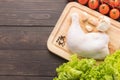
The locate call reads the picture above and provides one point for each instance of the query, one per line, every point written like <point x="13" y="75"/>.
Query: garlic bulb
<point x="104" y="24"/>
<point x="91" y="45"/>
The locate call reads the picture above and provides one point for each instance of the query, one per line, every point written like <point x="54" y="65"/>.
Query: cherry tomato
<point x="104" y="8"/>
<point x="93" y="4"/>
<point x="83" y="1"/>
<point x="114" y="13"/>
<point x="114" y="3"/>
<point x="104" y="1"/>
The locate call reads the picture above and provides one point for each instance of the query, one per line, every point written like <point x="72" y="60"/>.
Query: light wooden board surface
<point x="58" y="35"/>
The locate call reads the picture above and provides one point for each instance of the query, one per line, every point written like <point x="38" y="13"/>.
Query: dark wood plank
<point x="24" y="78"/>
<point x="28" y="63"/>
<point x="30" y="12"/>
<point x="16" y="38"/>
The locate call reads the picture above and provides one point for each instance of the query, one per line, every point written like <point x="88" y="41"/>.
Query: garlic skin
<point x="90" y="45"/>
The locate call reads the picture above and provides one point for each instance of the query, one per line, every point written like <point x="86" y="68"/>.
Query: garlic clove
<point x="92" y="21"/>
<point x="89" y="28"/>
<point x="84" y="16"/>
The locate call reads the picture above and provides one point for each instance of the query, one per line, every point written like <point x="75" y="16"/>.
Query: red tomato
<point x="104" y="1"/>
<point x="93" y="4"/>
<point x="104" y="8"/>
<point x="114" y="3"/>
<point x="119" y="5"/>
<point x="114" y="13"/>
<point x="83" y="1"/>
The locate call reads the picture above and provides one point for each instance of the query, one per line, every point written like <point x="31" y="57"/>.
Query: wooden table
<point x="25" y="26"/>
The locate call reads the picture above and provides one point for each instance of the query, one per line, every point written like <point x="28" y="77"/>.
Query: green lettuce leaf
<point x="87" y="69"/>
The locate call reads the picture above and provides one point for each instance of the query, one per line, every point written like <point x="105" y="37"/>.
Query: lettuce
<point x="88" y="69"/>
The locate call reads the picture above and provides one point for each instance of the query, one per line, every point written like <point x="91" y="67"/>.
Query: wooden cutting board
<point x="57" y="39"/>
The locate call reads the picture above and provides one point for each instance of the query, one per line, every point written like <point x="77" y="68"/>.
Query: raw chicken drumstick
<point x="90" y="45"/>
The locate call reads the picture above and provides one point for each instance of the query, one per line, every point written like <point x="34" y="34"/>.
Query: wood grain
<point x="24" y="78"/>
<point x="25" y="26"/>
<point x="30" y="12"/>
<point x="24" y="37"/>
<point x="28" y="63"/>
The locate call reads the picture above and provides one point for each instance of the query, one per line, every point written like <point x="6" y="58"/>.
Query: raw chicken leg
<point x="91" y="45"/>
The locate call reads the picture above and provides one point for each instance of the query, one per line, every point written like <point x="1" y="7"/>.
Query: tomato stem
<point x="103" y="7"/>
